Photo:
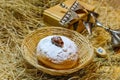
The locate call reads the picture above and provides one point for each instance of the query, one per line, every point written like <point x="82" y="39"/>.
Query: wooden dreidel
<point x="57" y="15"/>
<point x="77" y="7"/>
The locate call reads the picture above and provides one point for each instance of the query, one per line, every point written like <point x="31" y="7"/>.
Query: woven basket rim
<point x="59" y="72"/>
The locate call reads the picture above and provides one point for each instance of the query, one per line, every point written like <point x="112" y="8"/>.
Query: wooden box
<point x="53" y="15"/>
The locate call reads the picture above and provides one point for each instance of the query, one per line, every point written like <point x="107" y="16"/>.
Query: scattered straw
<point x="20" y="17"/>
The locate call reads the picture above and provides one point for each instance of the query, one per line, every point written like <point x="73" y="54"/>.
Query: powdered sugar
<point x="57" y="54"/>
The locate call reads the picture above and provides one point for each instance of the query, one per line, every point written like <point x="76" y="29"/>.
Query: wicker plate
<point x="30" y="42"/>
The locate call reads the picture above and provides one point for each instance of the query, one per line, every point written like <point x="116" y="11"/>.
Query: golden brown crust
<point x="67" y="64"/>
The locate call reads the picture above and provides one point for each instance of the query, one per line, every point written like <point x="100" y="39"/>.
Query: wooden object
<point x="54" y="14"/>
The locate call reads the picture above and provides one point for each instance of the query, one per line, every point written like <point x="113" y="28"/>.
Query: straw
<point x="20" y="17"/>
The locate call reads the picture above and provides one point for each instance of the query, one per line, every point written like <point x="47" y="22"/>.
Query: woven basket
<point x="30" y="42"/>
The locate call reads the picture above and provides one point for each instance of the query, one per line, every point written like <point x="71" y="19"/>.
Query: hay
<point x="20" y="17"/>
